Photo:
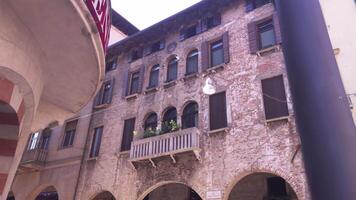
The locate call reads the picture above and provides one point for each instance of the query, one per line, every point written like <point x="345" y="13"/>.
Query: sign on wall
<point x="101" y="12"/>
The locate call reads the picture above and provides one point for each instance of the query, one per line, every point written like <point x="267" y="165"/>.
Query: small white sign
<point x="216" y="194"/>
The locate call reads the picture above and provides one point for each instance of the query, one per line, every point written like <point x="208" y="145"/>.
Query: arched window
<point x="169" y="116"/>
<point x="154" y="74"/>
<point x="151" y="122"/>
<point x="172" y="69"/>
<point x="190" y="116"/>
<point x="192" y="62"/>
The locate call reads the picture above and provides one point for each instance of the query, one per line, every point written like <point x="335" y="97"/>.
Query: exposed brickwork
<point x="249" y="146"/>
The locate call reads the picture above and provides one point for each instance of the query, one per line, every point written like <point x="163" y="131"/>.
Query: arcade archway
<point x="104" y="196"/>
<point x="49" y="193"/>
<point x="262" y="186"/>
<point x="173" y="191"/>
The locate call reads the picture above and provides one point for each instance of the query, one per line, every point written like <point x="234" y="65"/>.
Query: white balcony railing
<point x="166" y="145"/>
<point x="34" y="158"/>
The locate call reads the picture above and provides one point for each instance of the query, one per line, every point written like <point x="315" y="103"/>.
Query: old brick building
<point x="195" y="107"/>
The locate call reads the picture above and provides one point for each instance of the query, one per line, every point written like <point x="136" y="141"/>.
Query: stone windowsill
<point x="101" y="106"/>
<point x="131" y="97"/>
<point x="188" y="77"/>
<point x="214" y="69"/>
<point x="225" y="129"/>
<point x="151" y="90"/>
<point x="170" y="84"/>
<point x="92" y="159"/>
<point x="274" y="48"/>
<point x="284" y="118"/>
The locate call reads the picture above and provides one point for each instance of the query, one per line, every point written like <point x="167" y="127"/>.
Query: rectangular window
<point x="274" y="98"/>
<point x="33" y="141"/>
<point x="217" y="111"/>
<point x="276" y="187"/>
<point x="188" y="32"/>
<point x="69" y="133"/>
<point x="44" y="142"/>
<point x="134" y="82"/>
<point x="253" y="4"/>
<point x="154" y="77"/>
<point x="213" y="21"/>
<point x="95" y="145"/>
<point x="157" y="46"/>
<point x="216" y="53"/>
<point x="111" y="65"/>
<point x="192" y="62"/>
<point x="127" y="136"/>
<point x="105" y="94"/>
<point x="136" y="54"/>
<point x="267" y="36"/>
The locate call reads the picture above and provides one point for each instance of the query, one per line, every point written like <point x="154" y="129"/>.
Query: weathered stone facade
<point x="249" y="145"/>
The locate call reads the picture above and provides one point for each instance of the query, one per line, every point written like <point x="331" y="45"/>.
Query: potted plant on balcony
<point x="150" y="133"/>
<point x="170" y="126"/>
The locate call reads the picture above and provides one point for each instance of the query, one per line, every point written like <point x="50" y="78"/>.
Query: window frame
<point x="123" y="148"/>
<point x="259" y="38"/>
<point x="282" y="116"/>
<point x="130" y="92"/>
<point x="113" y="62"/>
<point x="169" y="67"/>
<point x="146" y="124"/>
<point x="167" y="119"/>
<point x="194" y="115"/>
<point x="73" y="133"/>
<point x="188" y="57"/>
<point x="226" y="112"/>
<point x="95" y="145"/>
<point x="211" y="43"/>
<point x="32" y="143"/>
<point x="154" y="69"/>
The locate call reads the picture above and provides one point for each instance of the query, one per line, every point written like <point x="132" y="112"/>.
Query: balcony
<point x="33" y="159"/>
<point x="167" y="145"/>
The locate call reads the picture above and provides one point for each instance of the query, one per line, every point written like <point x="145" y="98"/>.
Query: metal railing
<point x="34" y="155"/>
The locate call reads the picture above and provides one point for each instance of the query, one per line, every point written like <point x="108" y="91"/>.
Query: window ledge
<point x="131" y="97"/>
<point x="123" y="153"/>
<point x="92" y="159"/>
<point x="212" y="70"/>
<point x="105" y="105"/>
<point x="225" y="129"/>
<point x="188" y="77"/>
<point x="151" y="90"/>
<point x="267" y="50"/>
<point x="278" y="119"/>
<point x="170" y="84"/>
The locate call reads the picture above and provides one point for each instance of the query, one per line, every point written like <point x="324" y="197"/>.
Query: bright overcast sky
<point x="144" y="13"/>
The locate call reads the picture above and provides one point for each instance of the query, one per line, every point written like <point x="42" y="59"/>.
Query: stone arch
<point x="164" y="183"/>
<point x="103" y="195"/>
<point x="279" y="173"/>
<point x="33" y="194"/>
<point x="18" y="103"/>
<point x="170" y="57"/>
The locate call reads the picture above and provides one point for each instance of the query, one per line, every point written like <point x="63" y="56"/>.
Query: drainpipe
<point x="323" y="115"/>
<point x="86" y="144"/>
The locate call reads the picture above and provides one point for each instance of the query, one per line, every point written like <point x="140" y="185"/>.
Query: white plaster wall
<point x="340" y="18"/>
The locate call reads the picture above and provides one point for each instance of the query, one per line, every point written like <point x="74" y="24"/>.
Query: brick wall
<point x="250" y="145"/>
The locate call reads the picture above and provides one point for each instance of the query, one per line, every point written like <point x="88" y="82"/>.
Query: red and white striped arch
<point x="12" y="110"/>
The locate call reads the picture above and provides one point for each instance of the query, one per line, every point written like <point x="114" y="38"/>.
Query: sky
<point x="144" y="13"/>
